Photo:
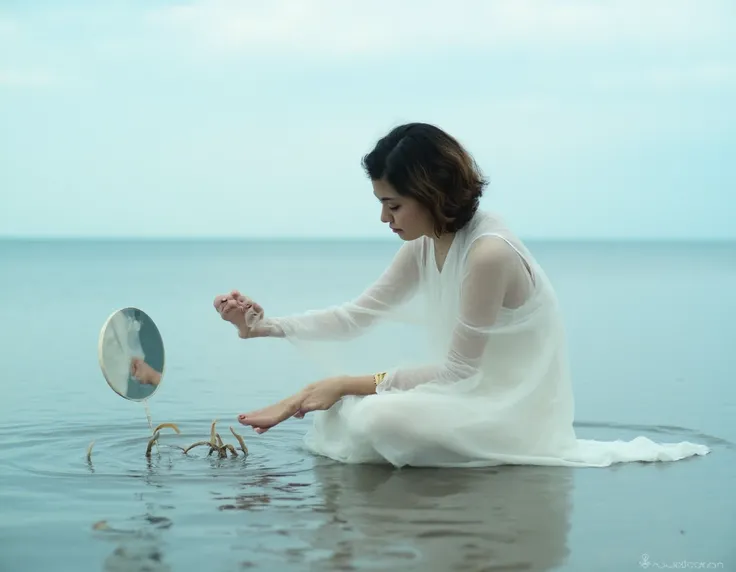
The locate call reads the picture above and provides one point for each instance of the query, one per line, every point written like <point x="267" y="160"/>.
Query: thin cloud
<point x="25" y="78"/>
<point x="13" y="75"/>
<point x="337" y="28"/>
<point x="8" y="27"/>
<point x="707" y="75"/>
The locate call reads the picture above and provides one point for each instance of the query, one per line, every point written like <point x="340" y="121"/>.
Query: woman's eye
<point x="393" y="208"/>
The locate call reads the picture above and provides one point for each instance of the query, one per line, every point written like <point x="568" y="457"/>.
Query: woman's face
<point x="405" y="216"/>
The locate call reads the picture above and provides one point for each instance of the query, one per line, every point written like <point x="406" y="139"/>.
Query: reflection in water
<point x="369" y="517"/>
<point x="509" y="517"/>
<point x="280" y="509"/>
<point x="138" y="549"/>
<point x="136" y="557"/>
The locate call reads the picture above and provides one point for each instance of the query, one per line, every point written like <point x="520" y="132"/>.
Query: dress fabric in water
<point x="494" y="386"/>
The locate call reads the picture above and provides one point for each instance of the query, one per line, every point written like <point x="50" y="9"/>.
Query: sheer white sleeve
<point x="483" y="287"/>
<point x="346" y="321"/>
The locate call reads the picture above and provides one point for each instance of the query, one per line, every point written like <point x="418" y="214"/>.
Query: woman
<point x="500" y="390"/>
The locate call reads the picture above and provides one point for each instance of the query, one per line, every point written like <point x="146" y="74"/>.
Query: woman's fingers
<point x="271" y="415"/>
<point x="230" y="309"/>
<point x="221" y="300"/>
<point x="226" y="302"/>
<point x="236" y="295"/>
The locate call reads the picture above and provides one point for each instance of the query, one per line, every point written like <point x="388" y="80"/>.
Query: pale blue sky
<point x="221" y="118"/>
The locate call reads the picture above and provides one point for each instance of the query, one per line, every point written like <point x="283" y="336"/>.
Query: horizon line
<point x="387" y="240"/>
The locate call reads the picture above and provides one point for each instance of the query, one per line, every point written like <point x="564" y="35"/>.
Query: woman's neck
<point x="442" y="243"/>
<point x="442" y="246"/>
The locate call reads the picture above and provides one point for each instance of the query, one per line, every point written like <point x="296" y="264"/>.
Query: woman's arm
<point x="395" y="286"/>
<point x="491" y="267"/>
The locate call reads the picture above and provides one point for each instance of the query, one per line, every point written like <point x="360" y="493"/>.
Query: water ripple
<point x="652" y="431"/>
<point x="280" y="508"/>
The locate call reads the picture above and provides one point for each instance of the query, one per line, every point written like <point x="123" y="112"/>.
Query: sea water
<point x="651" y="336"/>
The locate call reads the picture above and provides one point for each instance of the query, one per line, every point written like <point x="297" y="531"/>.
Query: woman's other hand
<point x="240" y="311"/>
<point x="316" y="396"/>
<point x="321" y="395"/>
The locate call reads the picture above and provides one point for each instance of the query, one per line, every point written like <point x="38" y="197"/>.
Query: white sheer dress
<point x="496" y="388"/>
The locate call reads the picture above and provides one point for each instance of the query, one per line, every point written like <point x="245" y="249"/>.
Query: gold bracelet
<point x="378" y="377"/>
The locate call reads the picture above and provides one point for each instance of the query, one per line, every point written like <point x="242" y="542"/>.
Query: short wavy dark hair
<point x="423" y="162"/>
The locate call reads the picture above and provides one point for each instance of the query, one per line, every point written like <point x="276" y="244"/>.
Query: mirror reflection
<point x="131" y="354"/>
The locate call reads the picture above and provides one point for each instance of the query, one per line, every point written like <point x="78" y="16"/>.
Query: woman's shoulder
<point x="487" y="234"/>
<point x="489" y="255"/>
<point x="485" y="226"/>
<point x="486" y="220"/>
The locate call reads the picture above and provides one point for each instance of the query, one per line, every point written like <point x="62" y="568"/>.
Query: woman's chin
<point x="404" y="235"/>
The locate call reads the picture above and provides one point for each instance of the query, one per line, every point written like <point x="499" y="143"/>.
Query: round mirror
<point x="131" y="354"/>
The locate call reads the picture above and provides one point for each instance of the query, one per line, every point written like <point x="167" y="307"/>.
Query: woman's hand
<point x="316" y="396"/>
<point x="321" y="395"/>
<point x="263" y="419"/>
<point x="240" y="311"/>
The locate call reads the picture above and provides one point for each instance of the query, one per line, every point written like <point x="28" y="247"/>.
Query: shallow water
<point x="652" y="355"/>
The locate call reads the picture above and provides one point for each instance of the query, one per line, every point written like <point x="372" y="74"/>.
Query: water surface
<point x="651" y="345"/>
